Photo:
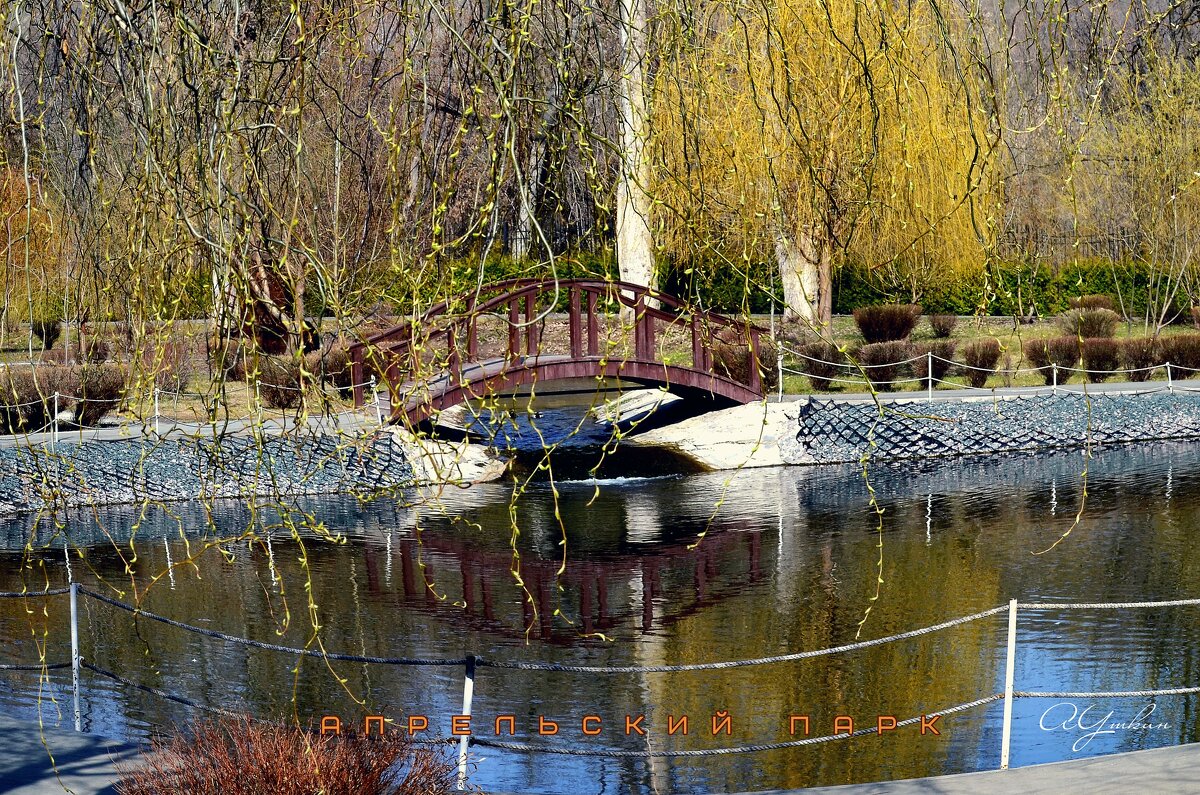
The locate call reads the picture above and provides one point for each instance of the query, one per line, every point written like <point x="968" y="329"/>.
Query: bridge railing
<point x="447" y="335"/>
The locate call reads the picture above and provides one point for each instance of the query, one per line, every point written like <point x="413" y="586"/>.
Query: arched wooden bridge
<point x="444" y="357"/>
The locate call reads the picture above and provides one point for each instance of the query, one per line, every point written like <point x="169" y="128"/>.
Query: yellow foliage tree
<point x="31" y="262"/>
<point x="809" y="132"/>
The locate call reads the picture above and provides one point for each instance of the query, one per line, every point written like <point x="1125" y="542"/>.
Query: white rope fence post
<point x="1054" y="367"/>
<point x="779" y="369"/>
<point x="75" y="652"/>
<point x="929" y="373"/>
<point x="1009" y="671"/>
<point x="54" y="421"/>
<point x="1170" y="383"/>
<point x="468" y="693"/>
<point x="157" y="432"/>
<point x="375" y="401"/>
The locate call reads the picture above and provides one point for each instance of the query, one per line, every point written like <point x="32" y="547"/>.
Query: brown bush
<point x="227" y="360"/>
<point x="1092" y="302"/>
<point x="980" y="357"/>
<point x="1100" y="358"/>
<point x="56" y="356"/>
<point x="943" y="325"/>
<point x="27" y="396"/>
<point x="819" y="361"/>
<point x="173" y="365"/>
<point x="731" y="357"/>
<point x="1061" y="351"/>
<point x="1090" y="323"/>
<point x="887" y="322"/>
<point x="332" y="368"/>
<point x="281" y="381"/>
<point x="1138" y="355"/>
<point x="937" y="365"/>
<point x="94" y="350"/>
<point x="239" y="757"/>
<point x="882" y="362"/>
<point x="101" y="390"/>
<point x="1182" y="352"/>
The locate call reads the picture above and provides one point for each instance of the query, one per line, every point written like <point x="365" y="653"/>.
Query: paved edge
<point x="1173" y="770"/>
<point x="84" y="764"/>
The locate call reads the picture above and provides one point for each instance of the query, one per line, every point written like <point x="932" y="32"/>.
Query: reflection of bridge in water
<point x="671" y="583"/>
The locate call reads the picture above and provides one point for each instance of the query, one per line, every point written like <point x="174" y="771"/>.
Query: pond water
<point x="659" y="571"/>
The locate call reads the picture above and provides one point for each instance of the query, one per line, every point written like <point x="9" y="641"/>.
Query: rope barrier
<point x="1175" y="691"/>
<point x="137" y="611"/>
<point x="33" y="667"/>
<point x="1103" y="605"/>
<point x="746" y="749"/>
<point x="26" y="594"/>
<point x="964" y="366"/>
<point x="803" y="655"/>
<point x="187" y="702"/>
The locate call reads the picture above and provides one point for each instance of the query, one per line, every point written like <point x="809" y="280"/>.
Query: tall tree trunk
<point x="635" y="244"/>
<point x="806" y="272"/>
<point x="532" y="177"/>
<point x="799" y="278"/>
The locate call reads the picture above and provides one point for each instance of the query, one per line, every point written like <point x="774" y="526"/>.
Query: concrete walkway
<point x="1163" y="771"/>
<point x="83" y="763"/>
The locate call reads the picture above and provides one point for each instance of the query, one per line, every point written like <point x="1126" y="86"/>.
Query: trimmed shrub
<point x="332" y="368"/>
<point x="1182" y="352"/>
<point x="173" y="367"/>
<point x="48" y="331"/>
<point x="281" y="381"/>
<point x="943" y="325"/>
<point x="227" y="359"/>
<point x="94" y="350"/>
<point x="937" y="365"/>
<point x="101" y="389"/>
<point x="1044" y="354"/>
<point x="887" y="322"/>
<point x="1092" y="302"/>
<point x="26" y="398"/>
<point x="882" y="362"/>
<point x="241" y="757"/>
<point x="1090" y="323"/>
<point x="820" y="362"/>
<point x="1138" y="355"/>
<point x="980" y="358"/>
<point x="1100" y="358"/>
<point x="731" y="357"/>
<point x="27" y="401"/>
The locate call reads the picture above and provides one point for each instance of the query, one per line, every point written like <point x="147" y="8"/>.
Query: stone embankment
<point x="249" y="462"/>
<point x="841" y="429"/>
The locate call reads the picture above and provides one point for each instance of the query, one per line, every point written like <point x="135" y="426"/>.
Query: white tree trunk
<point x="799" y="273"/>
<point x="635" y="244"/>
